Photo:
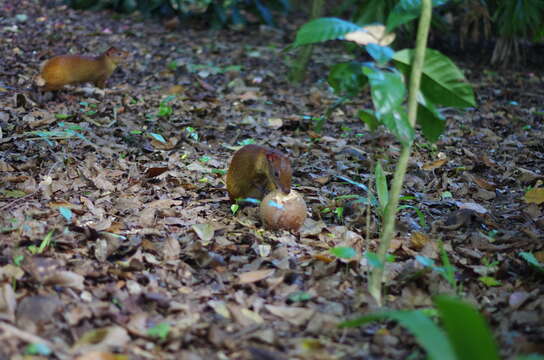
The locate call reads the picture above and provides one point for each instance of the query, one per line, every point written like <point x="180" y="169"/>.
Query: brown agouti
<point x="255" y="170"/>
<point x="75" y="69"/>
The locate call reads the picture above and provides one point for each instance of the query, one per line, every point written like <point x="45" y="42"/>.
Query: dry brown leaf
<point x="4" y="167"/>
<point x="472" y="206"/>
<point x="171" y="249"/>
<point x="102" y="339"/>
<point x="371" y="34"/>
<point x="11" y="272"/>
<point x="534" y="196"/>
<point x="8" y="302"/>
<point x="204" y="231"/>
<point x="254" y="276"/>
<point x="101" y="355"/>
<point x="274" y="123"/>
<point x="484" y="183"/>
<point x="240" y="315"/>
<point x="164" y="203"/>
<point x="294" y="315"/>
<point x="434" y="165"/>
<point x="102" y="183"/>
<point x="418" y="240"/>
<point x="66" y="278"/>
<point x="220" y="307"/>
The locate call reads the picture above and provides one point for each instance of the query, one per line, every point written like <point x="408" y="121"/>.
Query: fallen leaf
<point x="102" y="339"/>
<point x="534" y="196"/>
<point x="67" y="279"/>
<point x="371" y="34"/>
<point x="294" y="315"/>
<point x="101" y="355"/>
<point x="8" y="302"/>
<point x="204" y="231"/>
<point x="418" y="240"/>
<point x="434" y="165"/>
<point x="254" y="276"/>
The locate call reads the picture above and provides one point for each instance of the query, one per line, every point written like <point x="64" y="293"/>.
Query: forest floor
<point x="112" y="241"/>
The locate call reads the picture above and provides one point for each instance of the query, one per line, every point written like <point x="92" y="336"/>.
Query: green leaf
<point x="172" y="65"/>
<point x="381" y="54"/>
<point x="420" y="215"/>
<point x="426" y="332"/>
<point x="449" y="269"/>
<point x="353" y="182"/>
<point x="441" y="82"/>
<point x="66" y="212"/>
<point x="168" y="99"/>
<point x="530" y="357"/>
<point x="192" y="132"/>
<point x="347" y="79"/>
<point x="425" y="261"/>
<point x="246" y="142"/>
<point x="160" y="331"/>
<point x="343" y="252"/>
<point x="323" y="29"/>
<point x="531" y="259"/>
<point x="406" y="11"/>
<point x="17" y="260"/>
<point x="13" y="193"/>
<point x="367" y="116"/>
<point x="489" y="281"/>
<point x="381" y="186"/>
<point x="164" y="110"/>
<point x="38" y="349"/>
<point x="46" y="241"/>
<point x="158" y="137"/>
<point x="431" y="121"/>
<point x="387" y="89"/>
<point x="397" y="123"/>
<point x="373" y="259"/>
<point x="266" y="15"/>
<point x="466" y="329"/>
<point x="299" y="296"/>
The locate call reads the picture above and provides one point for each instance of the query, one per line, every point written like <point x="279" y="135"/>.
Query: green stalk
<point x="376" y="277"/>
<point x="298" y="69"/>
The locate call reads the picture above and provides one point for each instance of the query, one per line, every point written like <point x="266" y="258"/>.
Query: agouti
<point x="255" y="170"/>
<point x="75" y="69"/>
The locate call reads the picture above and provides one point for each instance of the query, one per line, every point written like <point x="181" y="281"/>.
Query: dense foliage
<point x="219" y="12"/>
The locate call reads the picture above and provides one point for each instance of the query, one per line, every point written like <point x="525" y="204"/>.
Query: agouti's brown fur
<point x="75" y="69"/>
<point x="255" y="170"/>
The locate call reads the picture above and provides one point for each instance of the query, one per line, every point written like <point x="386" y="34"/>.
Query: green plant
<point x="160" y="331"/>
<point x="442" y="84"/>
<point x="220" y="12"/>
<point x="532" y="260"/>
<point x="64" y="131"/>
<point x="464" y="333"/>
<point x="447" y="270"/>
<point x="46" y="241"/>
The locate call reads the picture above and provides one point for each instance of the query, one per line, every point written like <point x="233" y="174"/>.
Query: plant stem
<point x="298" y="69"/>
<point x="376" y="277"/>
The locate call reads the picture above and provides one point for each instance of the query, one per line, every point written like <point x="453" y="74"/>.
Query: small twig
<point x="30" y="338"/>
<point x="16" y="200"/>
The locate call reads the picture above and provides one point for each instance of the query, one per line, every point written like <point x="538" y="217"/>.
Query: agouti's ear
<point x="112" y="50"/>
<point x="271" y="157"/>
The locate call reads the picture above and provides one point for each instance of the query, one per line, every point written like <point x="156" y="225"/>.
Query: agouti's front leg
<point x="100" y="83"/>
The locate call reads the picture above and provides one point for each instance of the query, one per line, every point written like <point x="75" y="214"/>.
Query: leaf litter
<point x="146" y="260"/>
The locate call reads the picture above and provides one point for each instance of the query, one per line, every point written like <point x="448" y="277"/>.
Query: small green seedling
<point x="46" y="241"/>
<point x="160" y="331"/>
